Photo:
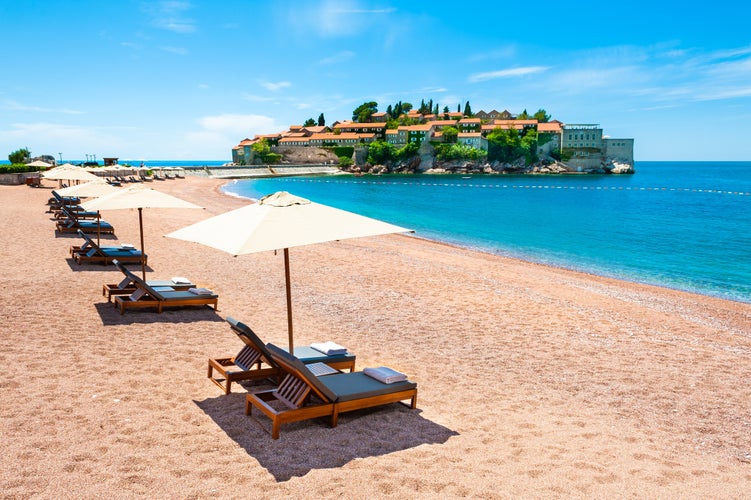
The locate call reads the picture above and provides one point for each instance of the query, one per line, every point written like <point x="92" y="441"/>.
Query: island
<point x="426" y="141"/>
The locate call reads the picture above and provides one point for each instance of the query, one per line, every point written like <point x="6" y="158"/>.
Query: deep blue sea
<point x="683" y="225"/>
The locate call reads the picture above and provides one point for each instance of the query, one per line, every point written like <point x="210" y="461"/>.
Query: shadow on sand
<point x="313" y="444"/>
<point x="111" y="315"/>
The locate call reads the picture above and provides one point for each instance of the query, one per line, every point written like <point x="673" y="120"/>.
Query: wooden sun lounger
<point x="127" y="287"/>
<point x="254" y="361"/>
<point x="72" y="223"/>
<point x="302" y="395"/>
<point x="147" y="296"/>
<point x="90" y="252"/>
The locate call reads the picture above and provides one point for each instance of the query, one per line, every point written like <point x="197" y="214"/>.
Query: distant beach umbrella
<point x="281" y="221"/>
<point x="39" y="164"/>
<point x="140" y="197"/>
<point x="69" y="173"/>
<point x="88" y="189"/>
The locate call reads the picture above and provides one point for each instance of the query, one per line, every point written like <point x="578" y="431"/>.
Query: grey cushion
<point x="351" y="386"/>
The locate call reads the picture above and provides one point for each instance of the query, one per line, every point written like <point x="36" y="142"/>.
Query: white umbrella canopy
<point x="71" y="173"/>
<point x="140" y="197"/>
<point x="39" y="163"/>
<point x="88" y="189"/>
<point x="281" y="221"/>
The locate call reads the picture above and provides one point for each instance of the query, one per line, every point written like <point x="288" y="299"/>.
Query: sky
<point x="188" y="80"/>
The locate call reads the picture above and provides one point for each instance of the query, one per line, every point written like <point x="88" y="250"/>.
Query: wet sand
<point x="532" y="381"/>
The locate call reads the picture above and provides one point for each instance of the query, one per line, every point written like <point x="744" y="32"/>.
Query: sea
<point x="681" y="225"/>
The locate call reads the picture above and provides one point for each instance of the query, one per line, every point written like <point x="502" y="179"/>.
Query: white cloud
<point x="168" y="15"/>
<point x="274" y="86"/>
<point x="506" y="73"/>
<point x="338" y="18"/>
<point x="176" y="50"/>
<point x="16" y="106"/>
<point x="338" y="58"/>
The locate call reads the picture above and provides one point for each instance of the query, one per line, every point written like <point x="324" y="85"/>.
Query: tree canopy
<point x="364" y="111"/>
<point x="19" y="155"/>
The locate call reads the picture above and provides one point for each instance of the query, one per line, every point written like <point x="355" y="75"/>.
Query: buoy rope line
<point x="527" y="186"/>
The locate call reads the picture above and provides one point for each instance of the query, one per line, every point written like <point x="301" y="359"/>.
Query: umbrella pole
<point x="289" y="300"/>
<point x="98" y="229"/>
<point x="143" y="251"/>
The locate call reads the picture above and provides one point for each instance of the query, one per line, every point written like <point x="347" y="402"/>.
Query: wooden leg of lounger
<point x="414" y="401"/>
<point x="275" y="428"/>
<point x="335" y="415"/>
<point x="248" y="405"/>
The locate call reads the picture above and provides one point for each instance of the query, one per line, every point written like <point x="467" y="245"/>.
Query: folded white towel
<point x="385" y="374"/>
<point x="180" y="280"/>
<point x="329" y="348"/>
<point x="200" y="291"/>
<point x="126" y="245"/>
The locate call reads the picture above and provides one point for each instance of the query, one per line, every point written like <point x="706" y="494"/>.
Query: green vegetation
<point x="364" y="111"/>
<point x="263" y="153"/>
<point x="460" y="152"/>
<point x="17" y="168"/>
<point x="508" y="145"/>
<point x="19" y="156"/>
<point x="380" y="152"/>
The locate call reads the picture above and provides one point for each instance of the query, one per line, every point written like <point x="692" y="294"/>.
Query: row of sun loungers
<point x="309" y="383"/>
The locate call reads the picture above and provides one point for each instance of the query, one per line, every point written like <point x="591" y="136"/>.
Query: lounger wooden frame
<point x="127" y="287"/>
<point x="296" y="392"/>
<point x="146" y="296"/>
<point x="91" y="253"/>
<point x="254" y="361"/>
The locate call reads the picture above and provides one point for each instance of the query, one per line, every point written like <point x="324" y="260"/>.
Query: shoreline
<point x="528" y="260"/>
<point x="533" y="381"/>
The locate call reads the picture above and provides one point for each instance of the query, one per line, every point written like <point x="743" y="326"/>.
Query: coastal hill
<point x="451" y="142"/>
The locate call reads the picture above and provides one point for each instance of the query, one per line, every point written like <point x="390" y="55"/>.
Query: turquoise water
<point x="682" y="225"/>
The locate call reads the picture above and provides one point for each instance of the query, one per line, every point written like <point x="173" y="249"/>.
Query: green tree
<point x="364" y="111"/>
<point x="504" y="145"/>
<point x="407" y="107"/>
<point x="406" y="151"/>
<point x="309" y="123"/>
<point x="529" y="146"/>
<point x="321" y="120"/>
<point x="541" y="116"/>
<point x="450" y="134"/>
<point x="19" y="156"/>
<point x="379" y="152"/>
<point x="468" y="110"/>
<point x="523" y="115"/>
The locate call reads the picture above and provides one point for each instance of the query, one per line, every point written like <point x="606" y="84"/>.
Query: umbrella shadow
<point x="313" y="444"/>
<point x="110" y="315"/>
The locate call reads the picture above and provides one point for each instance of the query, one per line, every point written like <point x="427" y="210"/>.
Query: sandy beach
<point x="532" y="381"/>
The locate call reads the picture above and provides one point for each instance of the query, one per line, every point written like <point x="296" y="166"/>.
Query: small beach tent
<point x="281" y="221"/>
<point x="140" y="197"/>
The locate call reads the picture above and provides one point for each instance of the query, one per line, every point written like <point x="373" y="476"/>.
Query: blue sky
<point x="190" y="79"/>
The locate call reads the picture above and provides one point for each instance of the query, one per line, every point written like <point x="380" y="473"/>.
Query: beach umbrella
<point x="39" y="163"/>
<point x="69" y="173"/>
<point x="281" y="221"/>
<point x="88" y="189"/>
<point x="140" y="197"/>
